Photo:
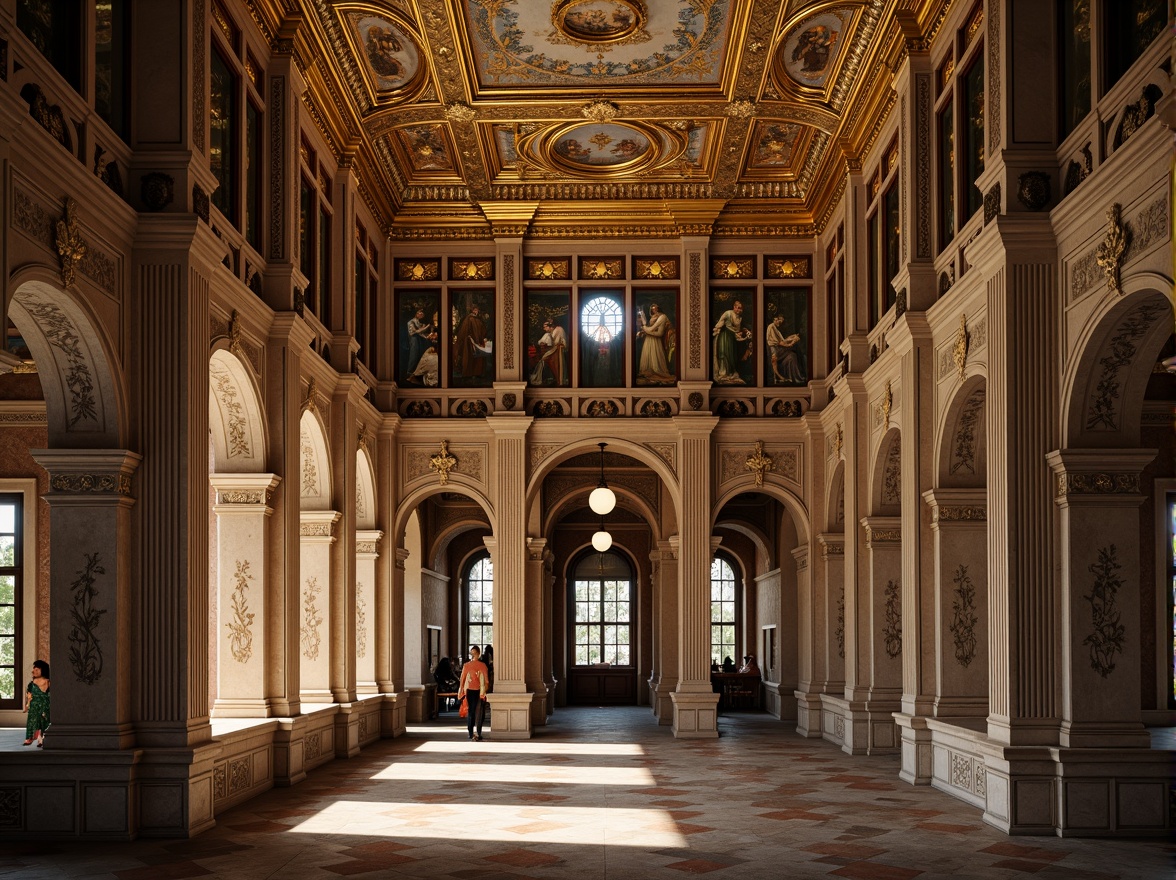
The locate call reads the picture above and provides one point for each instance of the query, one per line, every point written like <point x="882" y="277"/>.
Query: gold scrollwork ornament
<point x="71" y="247"/>
<point x="442" y="463"/>
<point x="759" y="464"/>
<point x="1110" y="252"/>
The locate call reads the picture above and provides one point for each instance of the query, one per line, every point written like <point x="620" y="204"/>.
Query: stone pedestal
<point x="394" y="715"/>
<point x="242" y="522"/>
<point x="510" y="715"/>
<point x="696" y="714"/>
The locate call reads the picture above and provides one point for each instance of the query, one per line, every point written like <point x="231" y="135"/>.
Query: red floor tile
<point x="524" y="858"/>
<point x="875" y="871"/>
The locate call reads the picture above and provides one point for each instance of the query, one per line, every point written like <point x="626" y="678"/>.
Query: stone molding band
<point x="959" y="513"/>
<point x="246" y="496"/>
<point x="883" y="536"/>
<point x="91" y="484"/>
<point x="315" y="530"/>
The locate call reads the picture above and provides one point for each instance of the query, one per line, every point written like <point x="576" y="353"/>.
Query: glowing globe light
<point x="601" y="541"/>
<point x="602" y="500"/>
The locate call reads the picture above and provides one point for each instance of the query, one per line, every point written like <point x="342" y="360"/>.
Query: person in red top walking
<point x="475" y="681"/>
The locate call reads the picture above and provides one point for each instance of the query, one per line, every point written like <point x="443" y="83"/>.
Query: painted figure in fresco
<point x="600" y="361"/>
<point x="427" y="368"/>
<point x="732" y="344"/>
<point x="570" y="148"/>
<point x="595" y="22"/>
<point x="785" y="363"/>
<point x="658" y="341"/>
<point x="626" y="149"/>
<point x="470" y="344"/>
<point x="814" y="46"/>
<point x="381" y="46"/>
<point x="420" y="335"/>
<point x="551" y="366"/>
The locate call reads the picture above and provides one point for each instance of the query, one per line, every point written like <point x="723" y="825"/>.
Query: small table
<point x="736" y="690"/>
<point x="451" y="695"/>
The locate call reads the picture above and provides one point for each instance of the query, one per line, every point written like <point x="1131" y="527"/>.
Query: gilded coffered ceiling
<point x="739" y="117"/>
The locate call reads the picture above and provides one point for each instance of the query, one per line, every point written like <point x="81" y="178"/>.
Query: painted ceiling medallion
<point x="386" y="50"/>
<point x="812" y="49"/>
<point x="600" y="21"/>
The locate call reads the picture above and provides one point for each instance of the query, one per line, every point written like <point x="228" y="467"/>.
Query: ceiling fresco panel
<point x="386" y="51"/>
<point x="598" y="45"/>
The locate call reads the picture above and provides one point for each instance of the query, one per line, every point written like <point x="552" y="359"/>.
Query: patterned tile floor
<point x="601" y="793"/>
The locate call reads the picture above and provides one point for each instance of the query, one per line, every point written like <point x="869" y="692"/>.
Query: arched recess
<point x="886" y="479"/>
<point x="365" y="491"/>
<point x="314" y="480"/>
<point x="636" y="451"/>
<point x="83" y="390"/>
<point x="795" y="507"/>
<point x="236" y="421"/>
<point x="962" y="450"/>
<point x="1104" y="388"/>
<point x="835" y="507"/>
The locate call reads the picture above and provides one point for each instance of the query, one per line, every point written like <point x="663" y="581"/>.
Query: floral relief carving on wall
<point x="963" y="454"/>
<point x="1103" y="413"/>
<point x="61" y="333"/>
<point x="241" y="626"/>
<point x="85" y="650"/>
<point x="963" y="617"/>
<point x="839" y="632"/>
<point x="892" y="474"/>
<point x="361" y="632"/>
<point x="312" y="619"/>
<point x="1108" y="634"/>
<point x="226" y="391"/>
<point x="892" y="621"/>
<point x="309" y="469"/>
<point x="469" y="462"/>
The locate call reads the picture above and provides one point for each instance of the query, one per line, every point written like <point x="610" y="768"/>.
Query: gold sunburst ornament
<point x="442" y="463"/>
<point x="600" y="111"/>
<point x="71" y="248"/>
<point x="1110" y="253"/>
<point x="759" y="464"/>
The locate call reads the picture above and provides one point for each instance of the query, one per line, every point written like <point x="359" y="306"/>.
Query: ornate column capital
<point x="244" y="491"/>
<point x="1107" y="477"/>
<point x="965" y="507"/>
<point x="367" y="543"/>
<point x="84" y="475"/>
<point x="318" y="525"/>
<point x="536" y="549"/>
<point x="832" y="544"/>
<point x="883" y="530"/>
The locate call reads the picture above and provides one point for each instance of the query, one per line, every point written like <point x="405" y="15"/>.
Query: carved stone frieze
<point x="244" y="496"/>
<point x="667" y="452"/>
<point x="1103" y="483"/>
<point x="467" y="461"/>
<point x="85" y="648"/>
<point x="367" y="546"/>
<point x="1108" y="632"/>
<point x="508" y="310"/>
<point x="967" y="436"/>
<point x="959" y="513"/>
<point x="91" y="484"/>
<point x="883" y="536"/>
<point x="316" y="530"/>
<point x="734" y="463"/>
<point x="892" y="620"/>
<point x="694" y="287"/>
<point x="963" y="617"/>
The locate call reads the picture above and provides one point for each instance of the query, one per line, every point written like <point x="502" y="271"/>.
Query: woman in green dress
<point x="37" y="704"/>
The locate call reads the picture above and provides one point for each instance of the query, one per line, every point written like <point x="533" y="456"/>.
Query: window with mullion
<point x="11" y="572"/>
<point x="224" y="87"/>
<point x="480" y="602"/>
<point x="973" y="146"/>
<point x="601" y="628"/>
<point x="723" y="611"/>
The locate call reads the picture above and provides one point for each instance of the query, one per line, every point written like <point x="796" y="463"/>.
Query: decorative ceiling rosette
<point x="387" y="51"/>
<point x="814" y="52"/>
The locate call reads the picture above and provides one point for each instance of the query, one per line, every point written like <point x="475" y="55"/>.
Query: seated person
<point x="750" y="667"/>
<point x="445" y="677"/>
<point x="728" y="664"/>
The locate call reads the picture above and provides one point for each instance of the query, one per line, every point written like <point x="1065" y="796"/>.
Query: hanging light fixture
<point x="601" y="540"/>
<point x="603" y="499"/>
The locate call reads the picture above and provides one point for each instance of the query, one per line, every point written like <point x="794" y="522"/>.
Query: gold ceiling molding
<point x="600" y="111"/>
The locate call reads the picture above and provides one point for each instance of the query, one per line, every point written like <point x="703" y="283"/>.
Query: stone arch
<point x="365" y="491"/>
<point x="962" y="449"/>
<point x="236" y="420"/>
<point x="578" y="500"/>
<point x="886" y="481"/>
<point x="758" y="538"/>
<point x="1102" y="394"/>
<point x="314" y="472"/>
<point x="84" y="393"/>
<point x="636" y="451"/>
<point x="794" y="506"/>
<point x="409" y="504"/>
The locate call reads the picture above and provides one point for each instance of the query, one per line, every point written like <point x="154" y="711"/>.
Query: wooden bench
<point x="447" y="696"/>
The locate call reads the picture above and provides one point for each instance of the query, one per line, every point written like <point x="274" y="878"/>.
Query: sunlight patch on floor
<point x="534" y="748"/>
<point x="580" y="826"/>
<point x="479" y="771"/>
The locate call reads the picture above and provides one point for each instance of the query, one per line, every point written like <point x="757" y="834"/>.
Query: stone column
<point x="536" y="579"/>
<point x="347" y="396"/>
<point x="367" y="554"/>
<point x="695" y="703"/>
<point x="549" y="603"/>
<point x="1109" y="779"/>
<point x="394" y="712"/>
<point x="289" y="337"/>
<point x="1098" y="498"/>
<point x="664" y="571"/>
<point x="242" y="526"/>
<point x="314" y="619"/>
<point x="959" y="527"/>
<point x="832" y="613"/>
<point x="91" y="612"/>
<point x="881" y="636"/>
